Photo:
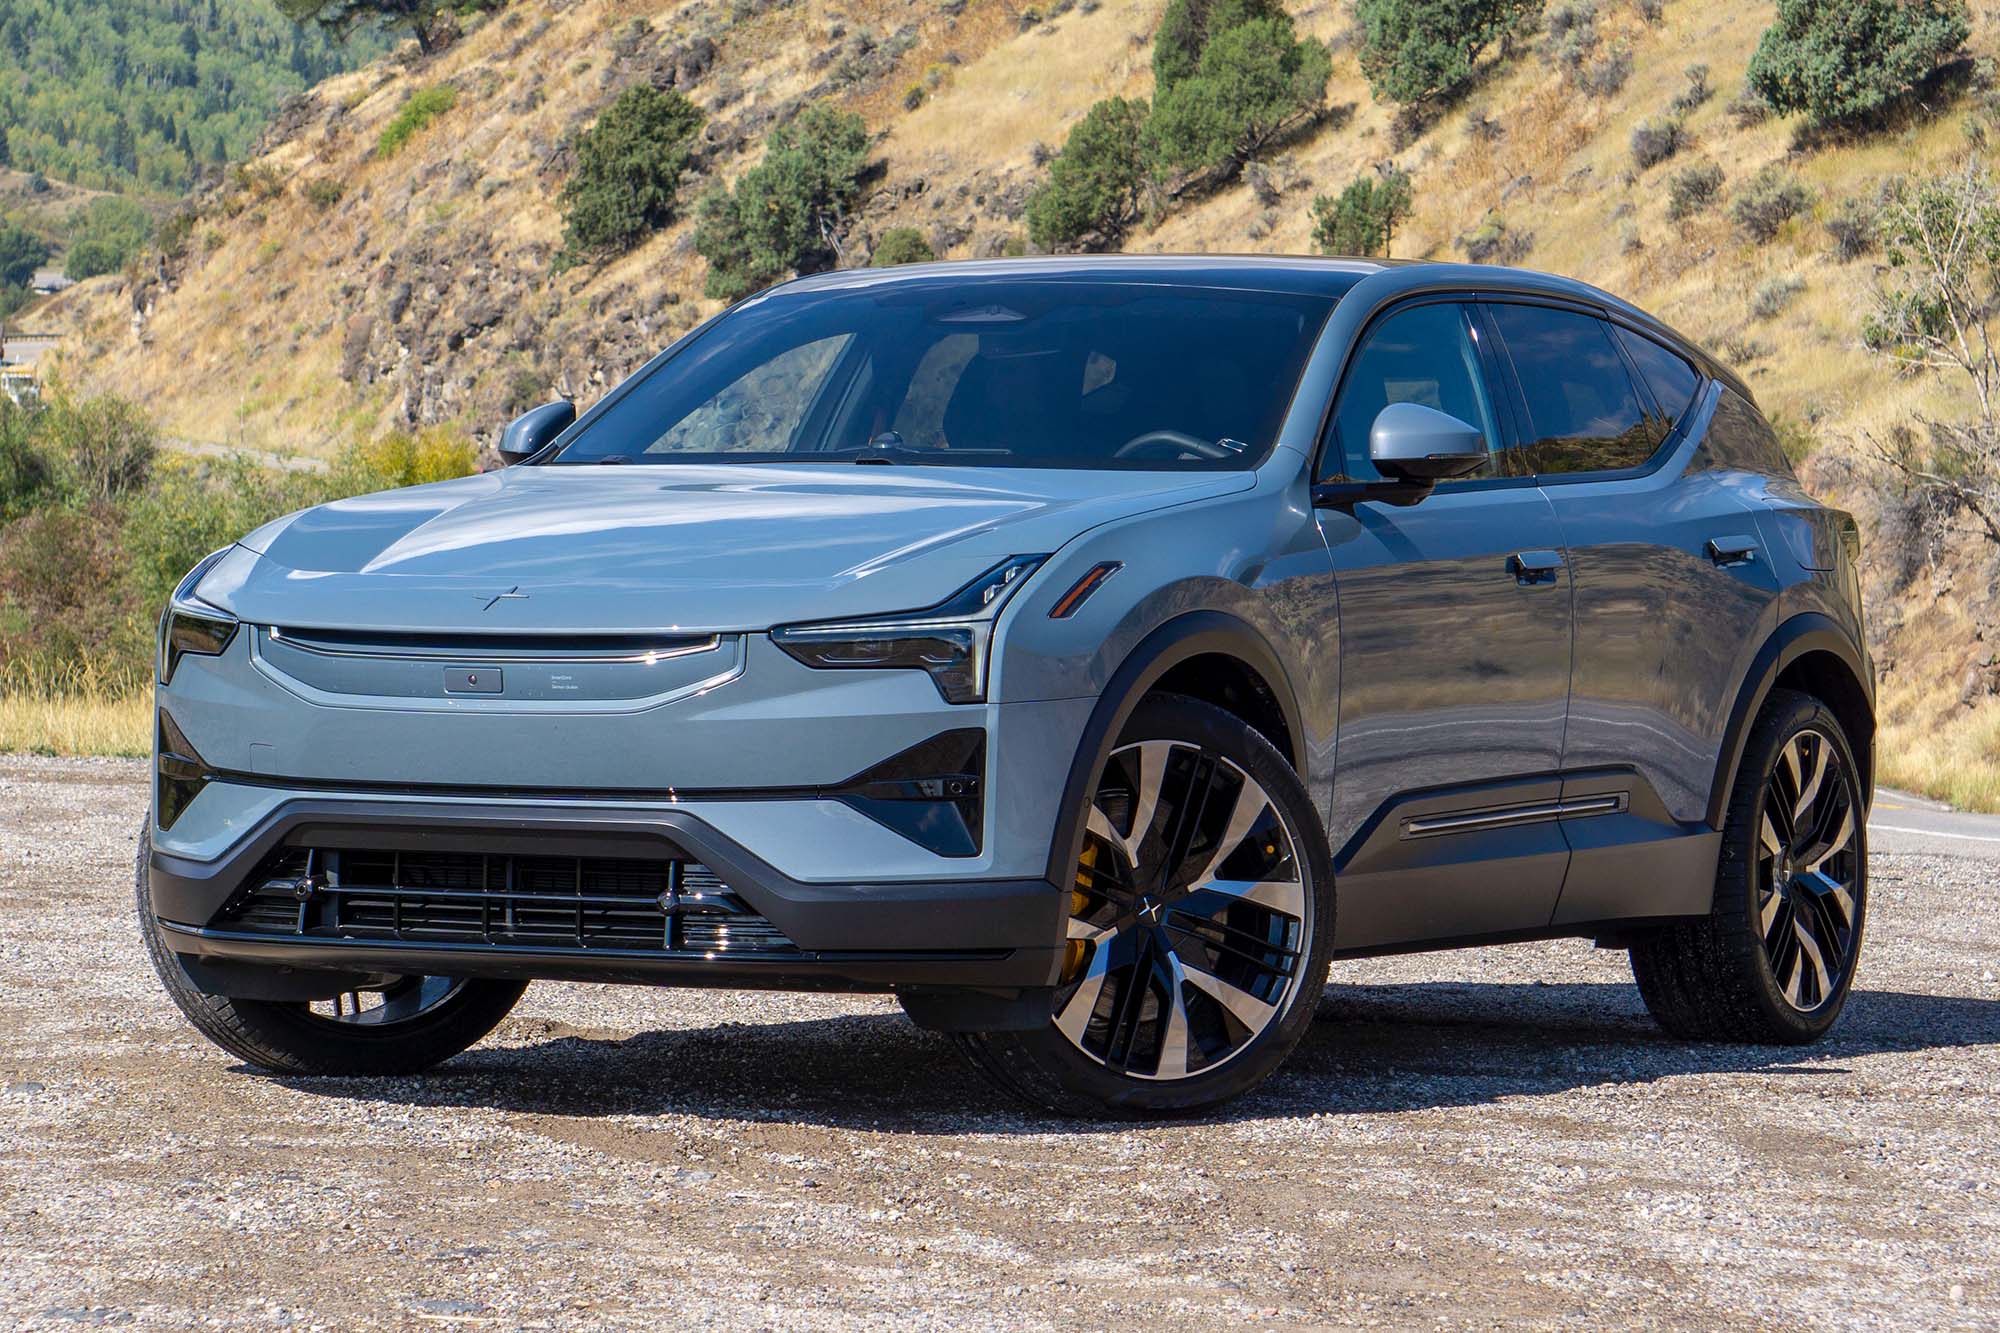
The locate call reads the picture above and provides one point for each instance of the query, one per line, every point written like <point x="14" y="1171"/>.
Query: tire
<point x="446" y="1015"/>
<point x="1188" y="976"/>
<point x="1774" y="959"/>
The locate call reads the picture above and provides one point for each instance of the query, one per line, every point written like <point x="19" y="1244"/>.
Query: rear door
<point x="1454" y="660"/>
<point x="1672" y="593"/>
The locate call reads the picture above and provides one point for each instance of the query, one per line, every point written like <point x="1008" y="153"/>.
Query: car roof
<point x="1305" y="274"/>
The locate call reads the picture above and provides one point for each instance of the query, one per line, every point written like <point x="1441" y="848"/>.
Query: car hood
<point x="680" y="547"/>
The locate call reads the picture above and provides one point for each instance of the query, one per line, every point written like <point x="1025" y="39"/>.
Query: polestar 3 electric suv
<point x="1086" y="650"/>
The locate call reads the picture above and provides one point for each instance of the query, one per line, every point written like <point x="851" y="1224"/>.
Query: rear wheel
<point x="1199" y="931"/>
<point x="1774" y="959"/>
<point x="391" y="1025"/>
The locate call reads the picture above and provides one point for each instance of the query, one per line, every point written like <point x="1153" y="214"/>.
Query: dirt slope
<point x="424" y="293"/>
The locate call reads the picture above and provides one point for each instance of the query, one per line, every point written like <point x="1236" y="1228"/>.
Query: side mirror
<point x="1413" y="443"/>
<point x="526" y="434"/>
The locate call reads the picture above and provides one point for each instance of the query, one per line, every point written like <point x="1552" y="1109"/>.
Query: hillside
<point x="140" y="95"/>
<point x="330" y="290"/>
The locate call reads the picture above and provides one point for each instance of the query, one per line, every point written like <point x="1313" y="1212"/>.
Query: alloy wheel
<point x="1808" y="871"/>
<point x="397" y="1000"/>
<point x="1190" y="917"/>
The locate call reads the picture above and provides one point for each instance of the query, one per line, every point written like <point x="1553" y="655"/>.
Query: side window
<point x="762" y="410"/>
<point x="1672" y="380"/>
<point x="1422" y="354"/>
<point x="1584" y="412"/>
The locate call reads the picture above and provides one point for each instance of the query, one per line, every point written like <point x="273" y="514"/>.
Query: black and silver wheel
<point x="1775" y="958"/>
<point x="1199" y="928"/>
<point x="385" y="1025"/>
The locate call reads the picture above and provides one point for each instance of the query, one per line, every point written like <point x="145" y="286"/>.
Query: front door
<point x="1454" y="663"/>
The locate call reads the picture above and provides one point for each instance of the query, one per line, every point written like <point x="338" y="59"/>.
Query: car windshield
<point x="974" y="373"/>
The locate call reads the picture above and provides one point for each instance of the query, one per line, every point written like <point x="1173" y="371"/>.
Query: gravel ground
<point x="1463" y="1139"/>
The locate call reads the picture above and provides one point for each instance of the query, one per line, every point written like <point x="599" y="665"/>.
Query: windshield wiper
<point x="903" y="453"/>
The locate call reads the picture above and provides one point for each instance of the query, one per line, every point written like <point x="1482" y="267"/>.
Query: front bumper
<point x="746" y="767"/>
<point x="859" y="935"/>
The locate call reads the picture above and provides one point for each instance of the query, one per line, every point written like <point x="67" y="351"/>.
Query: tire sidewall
<point x="1794" y="715"/>
<point x="287" y="1037"/>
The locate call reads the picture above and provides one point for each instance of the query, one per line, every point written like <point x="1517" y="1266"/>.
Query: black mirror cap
<point x="1411" y="442"/>
<point x="529" y="433"/>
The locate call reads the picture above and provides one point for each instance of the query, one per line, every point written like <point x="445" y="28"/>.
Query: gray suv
<point x="1086" y="651"/>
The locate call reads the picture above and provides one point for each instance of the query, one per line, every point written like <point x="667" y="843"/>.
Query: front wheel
<point x="393" y="1025"/>
<point x="1200" y="926"/>
<point x="1774" y="959"/>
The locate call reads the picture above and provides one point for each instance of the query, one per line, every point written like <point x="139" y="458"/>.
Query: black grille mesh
<point x="470" y="899"/>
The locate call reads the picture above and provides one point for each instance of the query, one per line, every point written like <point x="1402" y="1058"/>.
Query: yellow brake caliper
<point x="1086" y="870"/>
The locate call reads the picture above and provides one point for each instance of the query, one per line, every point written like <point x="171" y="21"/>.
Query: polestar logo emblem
<point x="513" y="593"/>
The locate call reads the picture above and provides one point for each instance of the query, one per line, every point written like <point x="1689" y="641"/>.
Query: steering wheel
<point x="1180" y="442"/>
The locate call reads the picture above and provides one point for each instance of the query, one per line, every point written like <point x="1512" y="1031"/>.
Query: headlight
<point x="191" y="625"/>
<point x="950" y="640"/>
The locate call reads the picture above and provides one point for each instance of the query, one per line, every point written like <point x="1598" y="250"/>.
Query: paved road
<point x="1463" y="1140"/>
<point x="27" y="351"/>
<point x="1901" y="822"/>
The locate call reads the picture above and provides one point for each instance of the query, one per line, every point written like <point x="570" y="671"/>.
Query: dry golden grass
<point x="76" y="724"/>
<point x="1953" y="758"/>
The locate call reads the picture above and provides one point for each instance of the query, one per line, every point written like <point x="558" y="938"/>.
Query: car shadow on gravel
<point x="1370" y="1049"/>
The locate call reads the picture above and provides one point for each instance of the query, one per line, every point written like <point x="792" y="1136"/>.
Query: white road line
<point x="1929" y="832"/>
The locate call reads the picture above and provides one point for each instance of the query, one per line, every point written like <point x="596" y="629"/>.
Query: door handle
<point x="1732" y="550"/>
<point x="1535" y="566"/>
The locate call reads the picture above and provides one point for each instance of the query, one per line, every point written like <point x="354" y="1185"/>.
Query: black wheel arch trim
<point x="1190" y="635"/>
<point x="1807" y="632"/>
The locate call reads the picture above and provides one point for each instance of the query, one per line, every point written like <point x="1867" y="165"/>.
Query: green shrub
<point x="401" y="458"/>
<point x="1491" y="242"/>
<point x="1693" y="189"/>
<point x="1688" y="99"/>
<point x="323" y="192"/>
<point x="104" y="234"/>
<point x="1095" y="182"/>
<point x="1772" y="198"/>
<point x="102" y="447"/>
<point x="28" y="476"/>
<point x="1569" y="34"/>
<point x="628" y="173"/>
<point x="1852" y="228"/>
<point x="60" y="579"/>
<point x="1421" y="50"/>
<point x="1363" y="219"/>
<point x="901" y="245"/>
<point x="21" y="253"/>
<point x="419" y="109"/>
<point x="90" y="257"/>
<point x="1774" y="294"/>
<point x="786" y="213"/>
<point x="1254" y="82"/>
<point x="1187" y="27"/>
<point x="197" y="505"/>
<point x="1654" y="141"/>
<point x="1842" y="62"/>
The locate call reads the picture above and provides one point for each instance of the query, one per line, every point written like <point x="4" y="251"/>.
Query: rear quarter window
<point x="1668" y="375"/>
<point x="1738" y="439"/>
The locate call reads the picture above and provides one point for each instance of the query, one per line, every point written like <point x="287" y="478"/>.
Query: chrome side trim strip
<point x="1581" y="807"/>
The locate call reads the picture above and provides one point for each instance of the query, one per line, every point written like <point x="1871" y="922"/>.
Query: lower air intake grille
<point x="475" y="900"/>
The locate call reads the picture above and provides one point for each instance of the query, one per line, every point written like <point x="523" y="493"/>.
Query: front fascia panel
<point x="772" y="724"/>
